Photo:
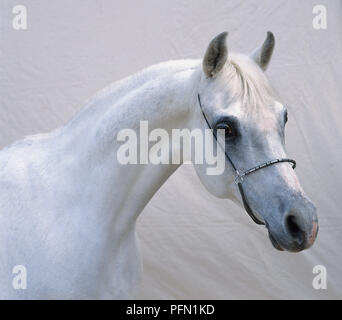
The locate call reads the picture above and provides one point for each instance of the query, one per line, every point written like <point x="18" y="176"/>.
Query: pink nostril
<point x="313" y="234"/>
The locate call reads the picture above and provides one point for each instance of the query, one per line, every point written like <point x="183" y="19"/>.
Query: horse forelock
<point x="247" y="82"/>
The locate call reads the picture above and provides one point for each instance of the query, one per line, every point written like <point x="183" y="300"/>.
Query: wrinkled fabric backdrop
<point x="194" y="245"/>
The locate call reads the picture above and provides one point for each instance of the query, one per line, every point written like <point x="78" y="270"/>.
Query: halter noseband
<point x="240" y="176"/>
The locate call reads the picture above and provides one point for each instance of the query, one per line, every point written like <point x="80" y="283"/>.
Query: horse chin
<point x="274" y="242"/>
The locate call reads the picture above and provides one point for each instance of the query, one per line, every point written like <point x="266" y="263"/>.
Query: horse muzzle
<point x="297" y="231"/>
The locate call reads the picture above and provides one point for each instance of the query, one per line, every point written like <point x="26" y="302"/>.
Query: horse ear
<point x="216" y="55"/>
<point x="263" y="54"/>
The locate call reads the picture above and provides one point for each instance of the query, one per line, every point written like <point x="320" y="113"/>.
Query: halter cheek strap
<point x="239" y="177"/>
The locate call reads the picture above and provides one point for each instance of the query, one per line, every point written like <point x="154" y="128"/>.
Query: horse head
<point x="236" y="96"/>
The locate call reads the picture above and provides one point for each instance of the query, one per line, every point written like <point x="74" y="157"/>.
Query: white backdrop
<point x="194" y="245"/>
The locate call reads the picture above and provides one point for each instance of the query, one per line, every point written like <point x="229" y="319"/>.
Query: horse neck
<point x="165" y="102"/>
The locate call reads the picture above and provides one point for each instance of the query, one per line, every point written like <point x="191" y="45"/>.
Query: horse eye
<point x="228" y="130"/>
<point x="285" y="117"/>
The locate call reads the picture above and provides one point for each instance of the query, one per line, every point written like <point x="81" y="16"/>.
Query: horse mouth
<point x="274" y="242"/>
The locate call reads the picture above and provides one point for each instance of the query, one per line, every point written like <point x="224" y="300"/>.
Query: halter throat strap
<point x="239" y="176"/>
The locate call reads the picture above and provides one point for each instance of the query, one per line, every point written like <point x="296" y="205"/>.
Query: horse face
<point x="237" y="98"/>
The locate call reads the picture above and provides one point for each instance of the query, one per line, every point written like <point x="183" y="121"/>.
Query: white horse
<point x="68" y="209"/>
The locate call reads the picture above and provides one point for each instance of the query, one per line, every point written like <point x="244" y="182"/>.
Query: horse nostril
<point x="294" y="229"/>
